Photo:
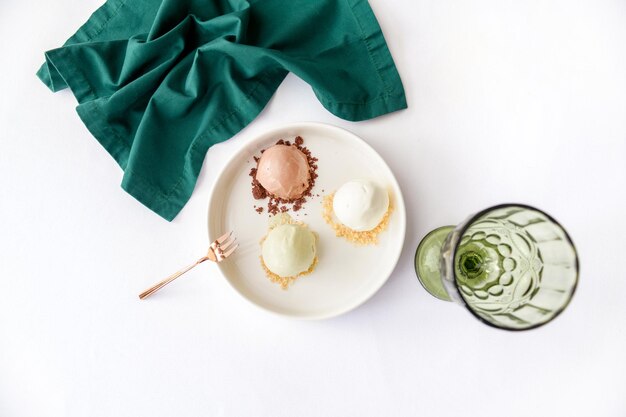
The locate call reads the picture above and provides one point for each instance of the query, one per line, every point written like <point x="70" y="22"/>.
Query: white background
<point x="508" y="101"/>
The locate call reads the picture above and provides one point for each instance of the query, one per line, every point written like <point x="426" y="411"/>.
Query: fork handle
<point x="169" y="279"/>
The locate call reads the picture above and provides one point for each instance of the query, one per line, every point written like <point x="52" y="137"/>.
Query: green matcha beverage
<point x="513" y="266"/>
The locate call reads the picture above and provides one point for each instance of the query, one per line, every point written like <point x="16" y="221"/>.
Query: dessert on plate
<point x="285" y="173"/>
<point x="358" y="211"/>
<point x="288" y="251"/>
<point x="360" y="204"/>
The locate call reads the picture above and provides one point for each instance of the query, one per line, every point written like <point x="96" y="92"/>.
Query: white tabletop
<point x="519" y="101"/>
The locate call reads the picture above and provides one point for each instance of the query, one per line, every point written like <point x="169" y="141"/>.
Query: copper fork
<point x="219" y="250"/>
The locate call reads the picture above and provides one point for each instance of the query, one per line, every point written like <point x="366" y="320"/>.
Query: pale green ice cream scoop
<point x="289" y="250"/>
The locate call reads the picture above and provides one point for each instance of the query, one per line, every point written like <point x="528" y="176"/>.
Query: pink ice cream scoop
<point x="284" y="172"/>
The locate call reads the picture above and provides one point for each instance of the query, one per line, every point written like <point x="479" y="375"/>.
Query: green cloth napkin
<point x="159" y="82"/>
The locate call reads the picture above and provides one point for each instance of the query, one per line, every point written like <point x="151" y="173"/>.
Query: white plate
<point x="346" y="275"/>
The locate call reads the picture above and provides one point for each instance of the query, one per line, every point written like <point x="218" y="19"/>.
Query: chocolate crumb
<point x="259" y="210"/>
<point x="258" y="192"/>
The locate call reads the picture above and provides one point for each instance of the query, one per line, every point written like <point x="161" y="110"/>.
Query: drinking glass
<point x="512" y="266"/>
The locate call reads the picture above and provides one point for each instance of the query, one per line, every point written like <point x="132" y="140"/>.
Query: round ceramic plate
<point x="346" y="275"/>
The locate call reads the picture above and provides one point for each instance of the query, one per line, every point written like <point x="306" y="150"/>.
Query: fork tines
<point x="224" y="246"/>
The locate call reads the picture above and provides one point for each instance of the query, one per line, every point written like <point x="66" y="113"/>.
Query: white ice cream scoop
<point x="360" y="204"/>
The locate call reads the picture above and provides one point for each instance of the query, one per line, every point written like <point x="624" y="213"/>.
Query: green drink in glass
<point x="513" y="266"/>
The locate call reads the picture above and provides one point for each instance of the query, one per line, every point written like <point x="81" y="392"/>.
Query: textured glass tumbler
<point x="513" y="266"/>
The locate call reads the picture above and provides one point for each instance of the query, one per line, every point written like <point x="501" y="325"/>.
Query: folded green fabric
<point x="159" y="82"/>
